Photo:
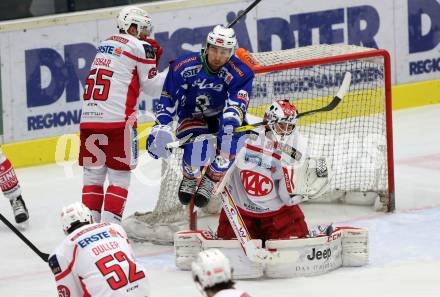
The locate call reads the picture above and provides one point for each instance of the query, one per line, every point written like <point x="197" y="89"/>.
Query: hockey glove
<point x="231" y="120"/>
<point x="157" y="49"/>
<point x="157" y="141"/>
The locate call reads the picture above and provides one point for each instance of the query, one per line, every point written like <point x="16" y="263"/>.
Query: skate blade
<point x="23" y="226"/>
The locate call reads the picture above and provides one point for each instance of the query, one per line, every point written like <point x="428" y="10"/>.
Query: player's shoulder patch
<point x="54" y="265"/>
<point x="149" y="51"/>
<point x="184" y="60"/>
<point x="238" y="67"/>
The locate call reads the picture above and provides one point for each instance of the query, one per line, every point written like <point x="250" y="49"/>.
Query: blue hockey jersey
<point x="190" y="91"/>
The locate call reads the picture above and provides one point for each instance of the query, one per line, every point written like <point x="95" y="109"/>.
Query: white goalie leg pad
<point x="187" y="245"/>
<point x="311" y="177"/>
<point x="354" y="246"/>
<point x="242" y="266"/>
<point x="316" y="256"/>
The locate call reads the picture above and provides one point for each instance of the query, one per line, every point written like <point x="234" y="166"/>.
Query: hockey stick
<point x="243" y="13"/>
<point x="192" y="213"/>
<point x="42" y="255"/>
<point x="254" y="253"/>
<point x="329" y="107"/>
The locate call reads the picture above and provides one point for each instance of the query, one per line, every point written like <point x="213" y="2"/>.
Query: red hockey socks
<point x="8" y="181"/>
<point x="114" y="204"/>
<point x="93" y="198"/>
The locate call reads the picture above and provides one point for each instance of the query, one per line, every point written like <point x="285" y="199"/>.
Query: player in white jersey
<point x="212" y="274"/>
<point x="95" y="259"/>
<point x="11" y="189"/>
<point x="262" y="182"/>
<point x="124" y="66"/>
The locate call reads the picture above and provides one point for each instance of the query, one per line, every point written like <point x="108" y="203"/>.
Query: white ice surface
<point x="404" y="246"/>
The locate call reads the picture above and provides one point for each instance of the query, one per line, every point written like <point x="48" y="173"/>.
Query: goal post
<point x="356" y="137"/>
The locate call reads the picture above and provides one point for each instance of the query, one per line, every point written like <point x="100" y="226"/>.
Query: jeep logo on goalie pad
<point x="256" y="184"/>
<point x="318" y="254"/>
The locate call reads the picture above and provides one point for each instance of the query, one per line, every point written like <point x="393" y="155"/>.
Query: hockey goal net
<point x="356" y="137"/>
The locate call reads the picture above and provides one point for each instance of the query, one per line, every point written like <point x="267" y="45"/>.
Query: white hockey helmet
<point x="134" y="15"/>
<point x="222" y="37"/>
<point x="211" y="268"/>
<point x="281" y="117"/>
<point x="75" y="213"/>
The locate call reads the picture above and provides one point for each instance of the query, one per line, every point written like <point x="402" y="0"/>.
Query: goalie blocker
<point x="346" y="246"/>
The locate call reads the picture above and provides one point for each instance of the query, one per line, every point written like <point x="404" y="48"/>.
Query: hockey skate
<point x="204" y="191"/>
<point x="21" y="213"/>
<point x="187" y="189"/>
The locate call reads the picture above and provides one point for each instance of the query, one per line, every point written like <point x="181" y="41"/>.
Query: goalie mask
<point x="222" y="37"/>
<point x="211" y="268"/>
<point x="132" y="15"/>
<point x="74" y="214"/>
<point x="281" y="118"/>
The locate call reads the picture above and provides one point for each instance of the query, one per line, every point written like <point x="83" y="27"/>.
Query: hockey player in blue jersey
<point x="206" y="92"/>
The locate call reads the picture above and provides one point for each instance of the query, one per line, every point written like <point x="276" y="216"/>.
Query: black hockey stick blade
<point x="242" y="13"/>
<point x="42" y="255"/>
<point x="343" y="89"/>
<point x="332" y="105"/>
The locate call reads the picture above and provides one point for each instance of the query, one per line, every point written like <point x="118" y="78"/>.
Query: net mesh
<point x="352" y="136"/>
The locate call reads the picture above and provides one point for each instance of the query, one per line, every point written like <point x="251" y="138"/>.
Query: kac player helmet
<point x="211" y="268"/>
<point x="132" y="15"/>
<point x="281" y="117"/>
<point x="75" y="213"/>
<point x="222" y="37"/>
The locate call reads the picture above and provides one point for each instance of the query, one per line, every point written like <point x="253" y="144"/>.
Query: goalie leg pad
<point x="242" y="266"/>
<point x="354" y="247"/>
<point x="316" y="256"/>
<point x="188" y="244"/>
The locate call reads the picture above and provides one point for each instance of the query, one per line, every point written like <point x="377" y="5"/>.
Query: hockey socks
<point x="93" y="198"/>
<point x="8" y="181"/>
<point x="114" y="204"/>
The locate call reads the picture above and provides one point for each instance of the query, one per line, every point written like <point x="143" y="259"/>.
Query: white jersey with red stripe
<point x="97" y="260"/>
<point x="261" y="183"/>
<point x="123" y="67"/>
<point x="232" y="293"/>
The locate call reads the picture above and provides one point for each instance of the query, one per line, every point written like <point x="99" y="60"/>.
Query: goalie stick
<point x="42" y="255"/>
<point x="343" y="89"/>
<point x="254" y="253"/>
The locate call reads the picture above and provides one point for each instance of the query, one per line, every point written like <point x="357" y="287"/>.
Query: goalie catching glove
<point x="312" y="178"/>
